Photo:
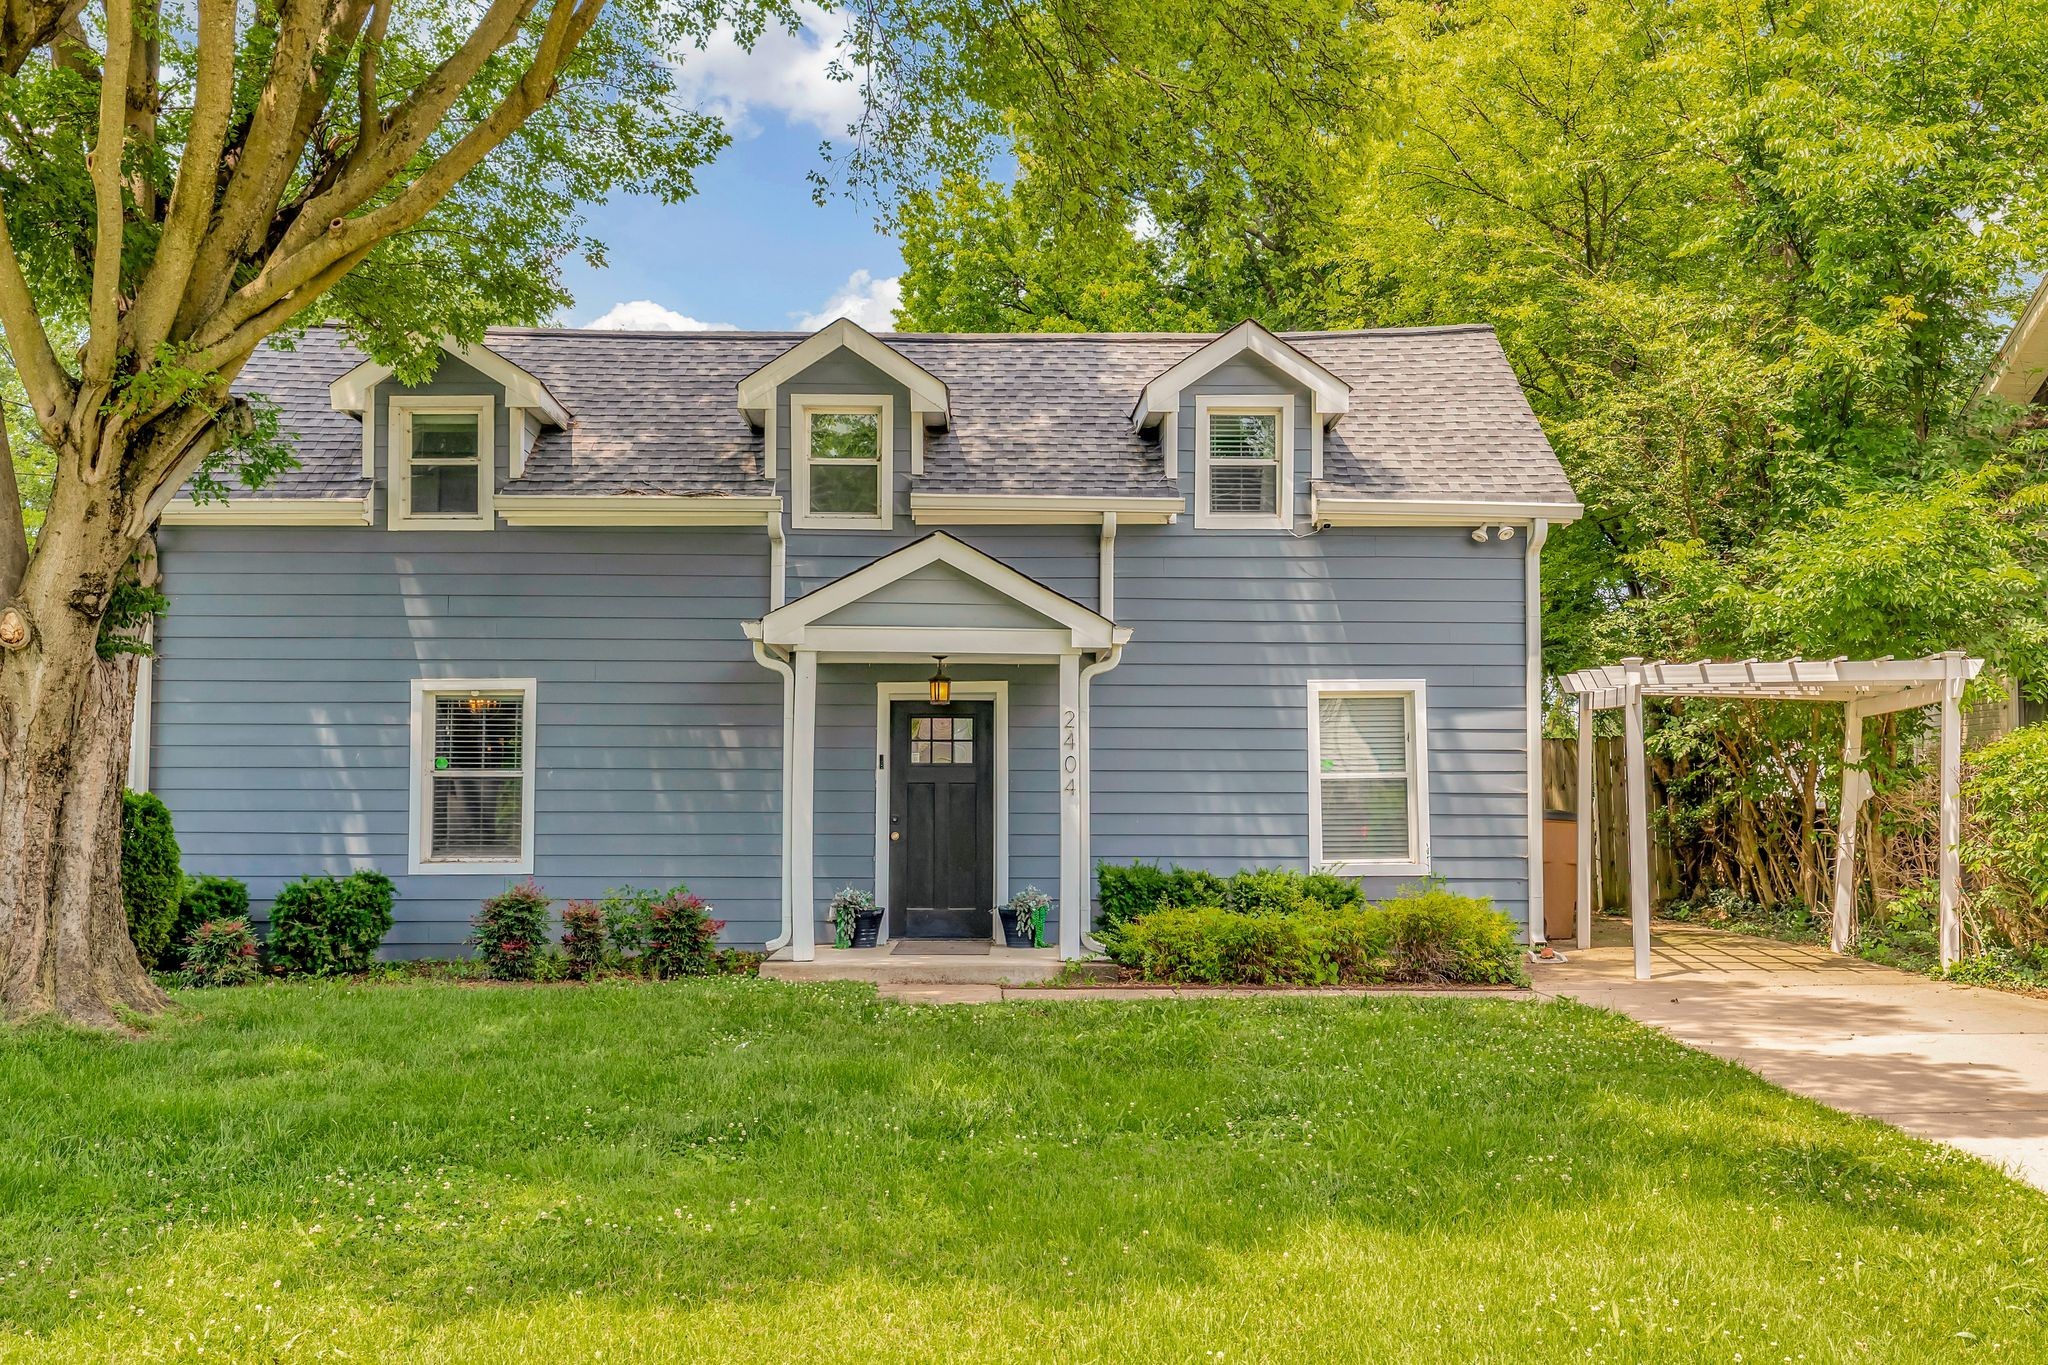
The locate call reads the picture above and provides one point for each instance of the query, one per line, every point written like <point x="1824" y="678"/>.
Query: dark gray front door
<point x="942" y="824"/>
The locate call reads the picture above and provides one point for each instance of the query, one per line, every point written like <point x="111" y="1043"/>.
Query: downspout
<point x="1105" y="559"/>
<point x="1088" y="676"/>
<point x="1532" y="585"/>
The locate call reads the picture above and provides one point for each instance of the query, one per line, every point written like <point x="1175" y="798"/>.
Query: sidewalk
<point x="1957" y="1064"/>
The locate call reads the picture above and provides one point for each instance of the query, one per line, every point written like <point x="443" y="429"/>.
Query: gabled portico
<point x="938" y="597"/>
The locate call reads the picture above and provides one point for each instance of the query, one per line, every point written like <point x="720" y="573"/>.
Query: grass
<point x="746" y="1170"/>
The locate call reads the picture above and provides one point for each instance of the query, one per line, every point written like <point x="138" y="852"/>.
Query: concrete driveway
<point x="1958" y="1064"/>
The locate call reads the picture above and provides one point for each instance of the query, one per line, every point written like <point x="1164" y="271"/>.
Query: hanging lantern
<point x="941" y="686"/>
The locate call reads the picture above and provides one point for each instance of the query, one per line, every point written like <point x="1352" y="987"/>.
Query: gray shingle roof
<point x="1435" y="413"/>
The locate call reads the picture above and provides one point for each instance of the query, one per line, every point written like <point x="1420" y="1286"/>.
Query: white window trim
<point x="888" y="693"/>
<point x="801" y="406"/>
<point x="1279" y="406"/>
<point x="398" y="482"/>
<point x="1416" y="692"/>
<point x="424" y="690"/>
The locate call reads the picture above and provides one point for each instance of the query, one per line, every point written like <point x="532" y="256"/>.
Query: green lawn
<point x="744" y="1170"/>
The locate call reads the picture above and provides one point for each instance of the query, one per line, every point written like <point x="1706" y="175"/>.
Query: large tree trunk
<point x="64" y="721"/>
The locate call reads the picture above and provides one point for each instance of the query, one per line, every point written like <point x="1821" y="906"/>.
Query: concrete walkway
<point x="1957" y="1064"/>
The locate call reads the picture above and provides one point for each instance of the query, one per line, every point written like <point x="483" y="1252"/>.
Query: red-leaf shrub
<point x="221" y="952"/>
<point x="510" y="929"/>
<point x="681" y="938"/>
<point x="583" y="938"/>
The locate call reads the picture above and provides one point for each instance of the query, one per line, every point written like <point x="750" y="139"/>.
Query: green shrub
<point x="682" y="938"/>
<point x="583" y="939"/>
<point x="624" y="910"/>
<point x="202" y="900"/>
<point x="321" y="926"/>
<point x="1124" y="892"/>
<point x="510" y="930"/>
<point x="2005" y="835"/>
<point x="1426" y="936"/>
<point x="220" y="952"/>
<point x="149" y="877"/>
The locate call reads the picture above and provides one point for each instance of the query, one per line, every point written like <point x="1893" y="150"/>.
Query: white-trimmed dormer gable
<point x="1330" y="395"/>
<point x="929" y="398"/>
<point x="530" y="404"/>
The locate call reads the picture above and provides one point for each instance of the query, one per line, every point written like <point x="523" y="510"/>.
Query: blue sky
<point x="749" y="249"/>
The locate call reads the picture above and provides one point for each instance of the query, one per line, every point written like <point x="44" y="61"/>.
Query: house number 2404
<point x="1070" y="750"/>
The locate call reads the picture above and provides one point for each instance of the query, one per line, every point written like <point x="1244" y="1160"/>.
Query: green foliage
<point x="2005" y="834"/>
<point x="624" y="910"/>
<point x="149" y="876"/>
<point x="201" y="899"/>
<point x="1126" y="891"/>
<point x="1427" y="937"/>
<point x="1721" y="908"/>
<point x="848" y="904"/>
<point x="1026" y="911"/>
<point x="220" y="952"/>
<point x="583" y="938"/>
<point x="682" y="937"/>
<point x="326" y="926"/>
<point x="510" y="930"/>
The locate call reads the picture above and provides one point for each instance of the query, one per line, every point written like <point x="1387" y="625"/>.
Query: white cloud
<point x="787" y="73"/>
<point x="645" y="315"/>
<point x="868" y="301"/>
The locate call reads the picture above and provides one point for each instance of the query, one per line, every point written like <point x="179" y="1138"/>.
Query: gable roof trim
<point x="1330" y="395"/>
<point x="351" y="392"/>
<point x="929" y="396"/>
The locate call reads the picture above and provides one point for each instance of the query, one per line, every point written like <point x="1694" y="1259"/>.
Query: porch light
<point x="941" y="686"/>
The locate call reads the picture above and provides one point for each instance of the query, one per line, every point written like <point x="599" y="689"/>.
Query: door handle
<point x="894" y="835"/>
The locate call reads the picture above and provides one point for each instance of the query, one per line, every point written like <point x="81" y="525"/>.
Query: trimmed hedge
<point x="321" y="926"/>
<point x="149" y="877"/>
<point x="1430" y="937"/>
<point x="1126" y="891"/>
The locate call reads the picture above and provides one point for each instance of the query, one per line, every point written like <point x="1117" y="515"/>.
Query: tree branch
<point x="13" y="535"/>
<point x="104" y="319"/>
<point x="50" y="390"/>
<point x="370" y="119"/>
<point x="26" y="25"/>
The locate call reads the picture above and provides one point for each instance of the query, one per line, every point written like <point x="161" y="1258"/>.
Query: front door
<point x="942" y="824"/>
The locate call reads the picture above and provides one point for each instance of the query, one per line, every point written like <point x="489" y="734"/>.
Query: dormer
<point x="852" y="412"/>
<point x="1330" y="396"/>
<point x="442" y="445"/>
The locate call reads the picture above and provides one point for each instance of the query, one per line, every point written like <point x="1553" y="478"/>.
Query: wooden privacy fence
<point x="1610" y="816"/>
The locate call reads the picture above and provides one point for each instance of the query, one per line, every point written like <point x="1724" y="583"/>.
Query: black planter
<point x="866" y="929"/>
<point x="1017" y="931"/>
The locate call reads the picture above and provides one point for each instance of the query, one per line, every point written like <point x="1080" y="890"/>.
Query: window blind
<point x="1244" y="468"/>
<point x="478" y="776"/>
<point x="1363" y="747"/>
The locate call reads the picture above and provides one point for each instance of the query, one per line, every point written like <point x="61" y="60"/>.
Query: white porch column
<point x="1638" y="820"/>
<point x="1532" y="619"/>
<point x="1073" y="874"/>
<point x="1586" y="805"/>
<point x="1855" y="787"/>
<point x="1953" y="679"/>
<point x="802" y="804"/>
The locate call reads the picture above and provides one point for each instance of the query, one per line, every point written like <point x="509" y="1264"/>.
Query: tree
<point x="1749" y="260"/>
<point x="180" y="184"/>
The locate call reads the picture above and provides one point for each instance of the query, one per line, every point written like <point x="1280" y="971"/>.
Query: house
<point x="607" y="608"/>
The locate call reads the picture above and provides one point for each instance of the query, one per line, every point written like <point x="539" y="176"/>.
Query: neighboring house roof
<point x="1434" y="413"/>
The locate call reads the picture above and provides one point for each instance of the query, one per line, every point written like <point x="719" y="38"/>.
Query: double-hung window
<point x="1244" y="463"/>
<point x="473" y="765"/>
<point x="844" y="462"/>
<point x="1368" y="777"/>
<point x="441" y="463"/>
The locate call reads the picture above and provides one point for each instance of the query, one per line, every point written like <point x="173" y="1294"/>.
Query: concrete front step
<point x="883" y="966"/>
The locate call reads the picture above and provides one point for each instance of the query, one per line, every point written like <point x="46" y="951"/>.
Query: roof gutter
<point x="1041" y="509"/>
<point x="1336" y="510"/>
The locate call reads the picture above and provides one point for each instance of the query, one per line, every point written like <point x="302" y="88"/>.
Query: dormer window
<point x="1244" y="463"/>
<point x="842" y="450"/>
<point x="441" y="465"/>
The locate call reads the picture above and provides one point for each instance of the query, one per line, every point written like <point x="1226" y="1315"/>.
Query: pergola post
<point x="1638" y="818"/>
<point x="1586" y="807"/>
<point x="1952" y="680"/>
<point x="1855" y="787"/>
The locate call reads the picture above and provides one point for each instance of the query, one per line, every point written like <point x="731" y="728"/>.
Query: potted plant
<point x="1024" y="919"/>
<point x="856" y="919"/>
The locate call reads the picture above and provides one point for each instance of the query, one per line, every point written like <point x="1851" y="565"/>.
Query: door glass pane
<point x="846" y="490"/>
<point x="447" y="490"/>
<point x="444" y="435"/>
<point x="920" y="727"/>
<point x="846" y="435"/>
<point x="920" y="751"/>
<point x="963" y="751"/>
<point x="963" y="727"/>
<point x="942" y="727"/>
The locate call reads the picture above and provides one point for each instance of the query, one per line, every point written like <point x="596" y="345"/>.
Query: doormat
<point x="942" y="947"/>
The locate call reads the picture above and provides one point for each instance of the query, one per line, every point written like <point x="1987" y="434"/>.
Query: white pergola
<point x="1864" y="688"/>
